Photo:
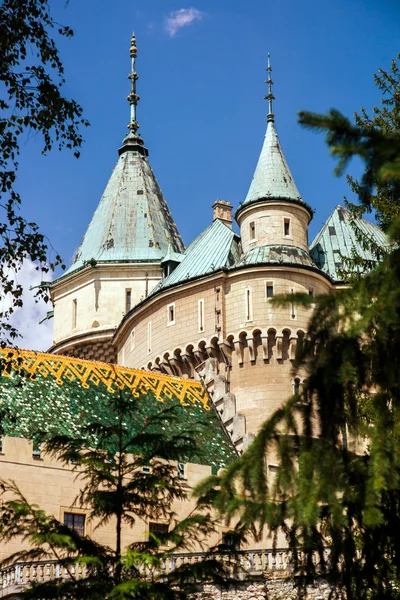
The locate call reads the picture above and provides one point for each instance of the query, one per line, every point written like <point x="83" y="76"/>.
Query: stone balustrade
<point x="16" y="577"/>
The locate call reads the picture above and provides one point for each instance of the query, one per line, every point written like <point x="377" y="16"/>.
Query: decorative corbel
<point x="279" y="346"/>
<point x="175" y="366"/>
<point x="264" y="342"/>
<point x="239" y="351"/>
<point x="252" y="350"/>
<point x="226" y="350"/>
<point x="292" y="347"/>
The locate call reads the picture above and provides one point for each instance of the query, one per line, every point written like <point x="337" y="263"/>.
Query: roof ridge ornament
<point x="133" y="139"/>
<point x="270" y="97"/>
<point x="133" y="98"/>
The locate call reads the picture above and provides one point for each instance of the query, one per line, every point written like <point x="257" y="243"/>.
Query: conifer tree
<point x="336" y="494"/>
<point x="126" y="466"/>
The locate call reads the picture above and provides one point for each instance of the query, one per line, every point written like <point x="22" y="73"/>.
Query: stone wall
<point x="268" y="588"/>
<point x="268" y="225"/>
<point x="95" y="298"/>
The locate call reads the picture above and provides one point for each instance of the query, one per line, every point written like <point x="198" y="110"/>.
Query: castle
<point x="194" y="325"/>
<point x="136" y="297"/>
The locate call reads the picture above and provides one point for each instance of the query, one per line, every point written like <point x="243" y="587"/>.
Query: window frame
<point x="65" y="510"/>
<point x="132" y="338"/>
<point x="149" y="336"/>
<point x="293" y="311"/>
<point x="200" y="315"/>
<point x="269" y="284"/>
<point x="169" y="320"/>
<point x="74" y="313"/>
<point x="128" y="304"/>
<point x="287" y="221"/>
<point x="248" y="300"/>
<point x="252" y="231"/>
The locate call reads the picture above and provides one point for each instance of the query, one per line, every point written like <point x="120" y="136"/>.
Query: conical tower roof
<point x="272" y="178"/>
<point x="132" y="222"/>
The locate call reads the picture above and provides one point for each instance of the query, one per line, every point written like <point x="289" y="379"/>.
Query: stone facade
<point x="89" y="304"/>
<point x="252" y="343"/>
<point x="271" y="222"/>
<point x="53" y="486"/>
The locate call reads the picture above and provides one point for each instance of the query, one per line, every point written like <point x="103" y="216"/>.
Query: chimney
<point x="223" y="212"/>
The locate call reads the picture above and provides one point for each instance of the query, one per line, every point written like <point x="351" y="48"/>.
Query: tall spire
<point x="133" y="141"/>
<point x="270" y="97"/>
<point x="133" y="98"/>
<point x="272" y="178"/>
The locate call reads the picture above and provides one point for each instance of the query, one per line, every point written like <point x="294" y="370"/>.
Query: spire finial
<point x="133" y="98"/>
<point x="270" y="97"/>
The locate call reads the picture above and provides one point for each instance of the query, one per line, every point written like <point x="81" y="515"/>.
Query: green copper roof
<point x="272" y="178"/>
<point x="278" y="254"/>
<point x="338" y="239"/>
<point x="48" y="394"/>
<point x="214" y="249"/>
<point x="132" y="222"/>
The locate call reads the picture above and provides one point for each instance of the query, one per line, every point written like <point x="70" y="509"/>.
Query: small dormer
<point x="170" y="261"/>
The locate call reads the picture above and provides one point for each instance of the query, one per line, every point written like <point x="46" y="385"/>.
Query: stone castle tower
<point x="119" y="260"/>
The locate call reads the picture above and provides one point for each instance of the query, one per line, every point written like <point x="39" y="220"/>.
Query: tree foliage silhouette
<point x="336" y="493"/>
<point x="31" y="103"/>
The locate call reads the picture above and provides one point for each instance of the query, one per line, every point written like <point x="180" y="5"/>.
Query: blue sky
<point x="202" y="112"/>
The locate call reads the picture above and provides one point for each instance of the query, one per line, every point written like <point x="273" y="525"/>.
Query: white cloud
<point x="181" y="18"/>
<point x="26" y="318"/>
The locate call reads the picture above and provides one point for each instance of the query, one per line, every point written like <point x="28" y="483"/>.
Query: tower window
<point x="132" y="339"/>
<point x="252" y="230"/>
<point x="296" y="386"/>
<point x="286" y="227"/>
<point x="293" y="314"/>
<point x="171" y="314"/>
<point x="181" y="470"/>
<point x="74" y="312"/>
<point x="269" y="288"/>
<point x="249" y="309"/>
<point x="201" y="315"/>
<point x="128" y="300"/>
<point x="75" y="522"/>
<point x="149" y="337"/>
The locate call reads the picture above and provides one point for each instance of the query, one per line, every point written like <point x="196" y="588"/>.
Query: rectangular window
<point x="75" y="522"/>
<point x="36" y="450"/>
<point x="181" y="470"/>
<point x="269" y="289"/>
<point x="132" y="339"/>
<point x="292" y="306"/>
<point x="128" y="300"/>
<point x="249" y="308"/>
<point x="149" y="337"/>
<point x="253" y="230"/>
<point x="286" y="227"/>
<point x="201" y="315"/>
<point x="74" y="312"/>
<point x="171" y="314"/>
<point x="157" y="528"/>
<point x="146" y="469"/>
<point x="311" y="291"/>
